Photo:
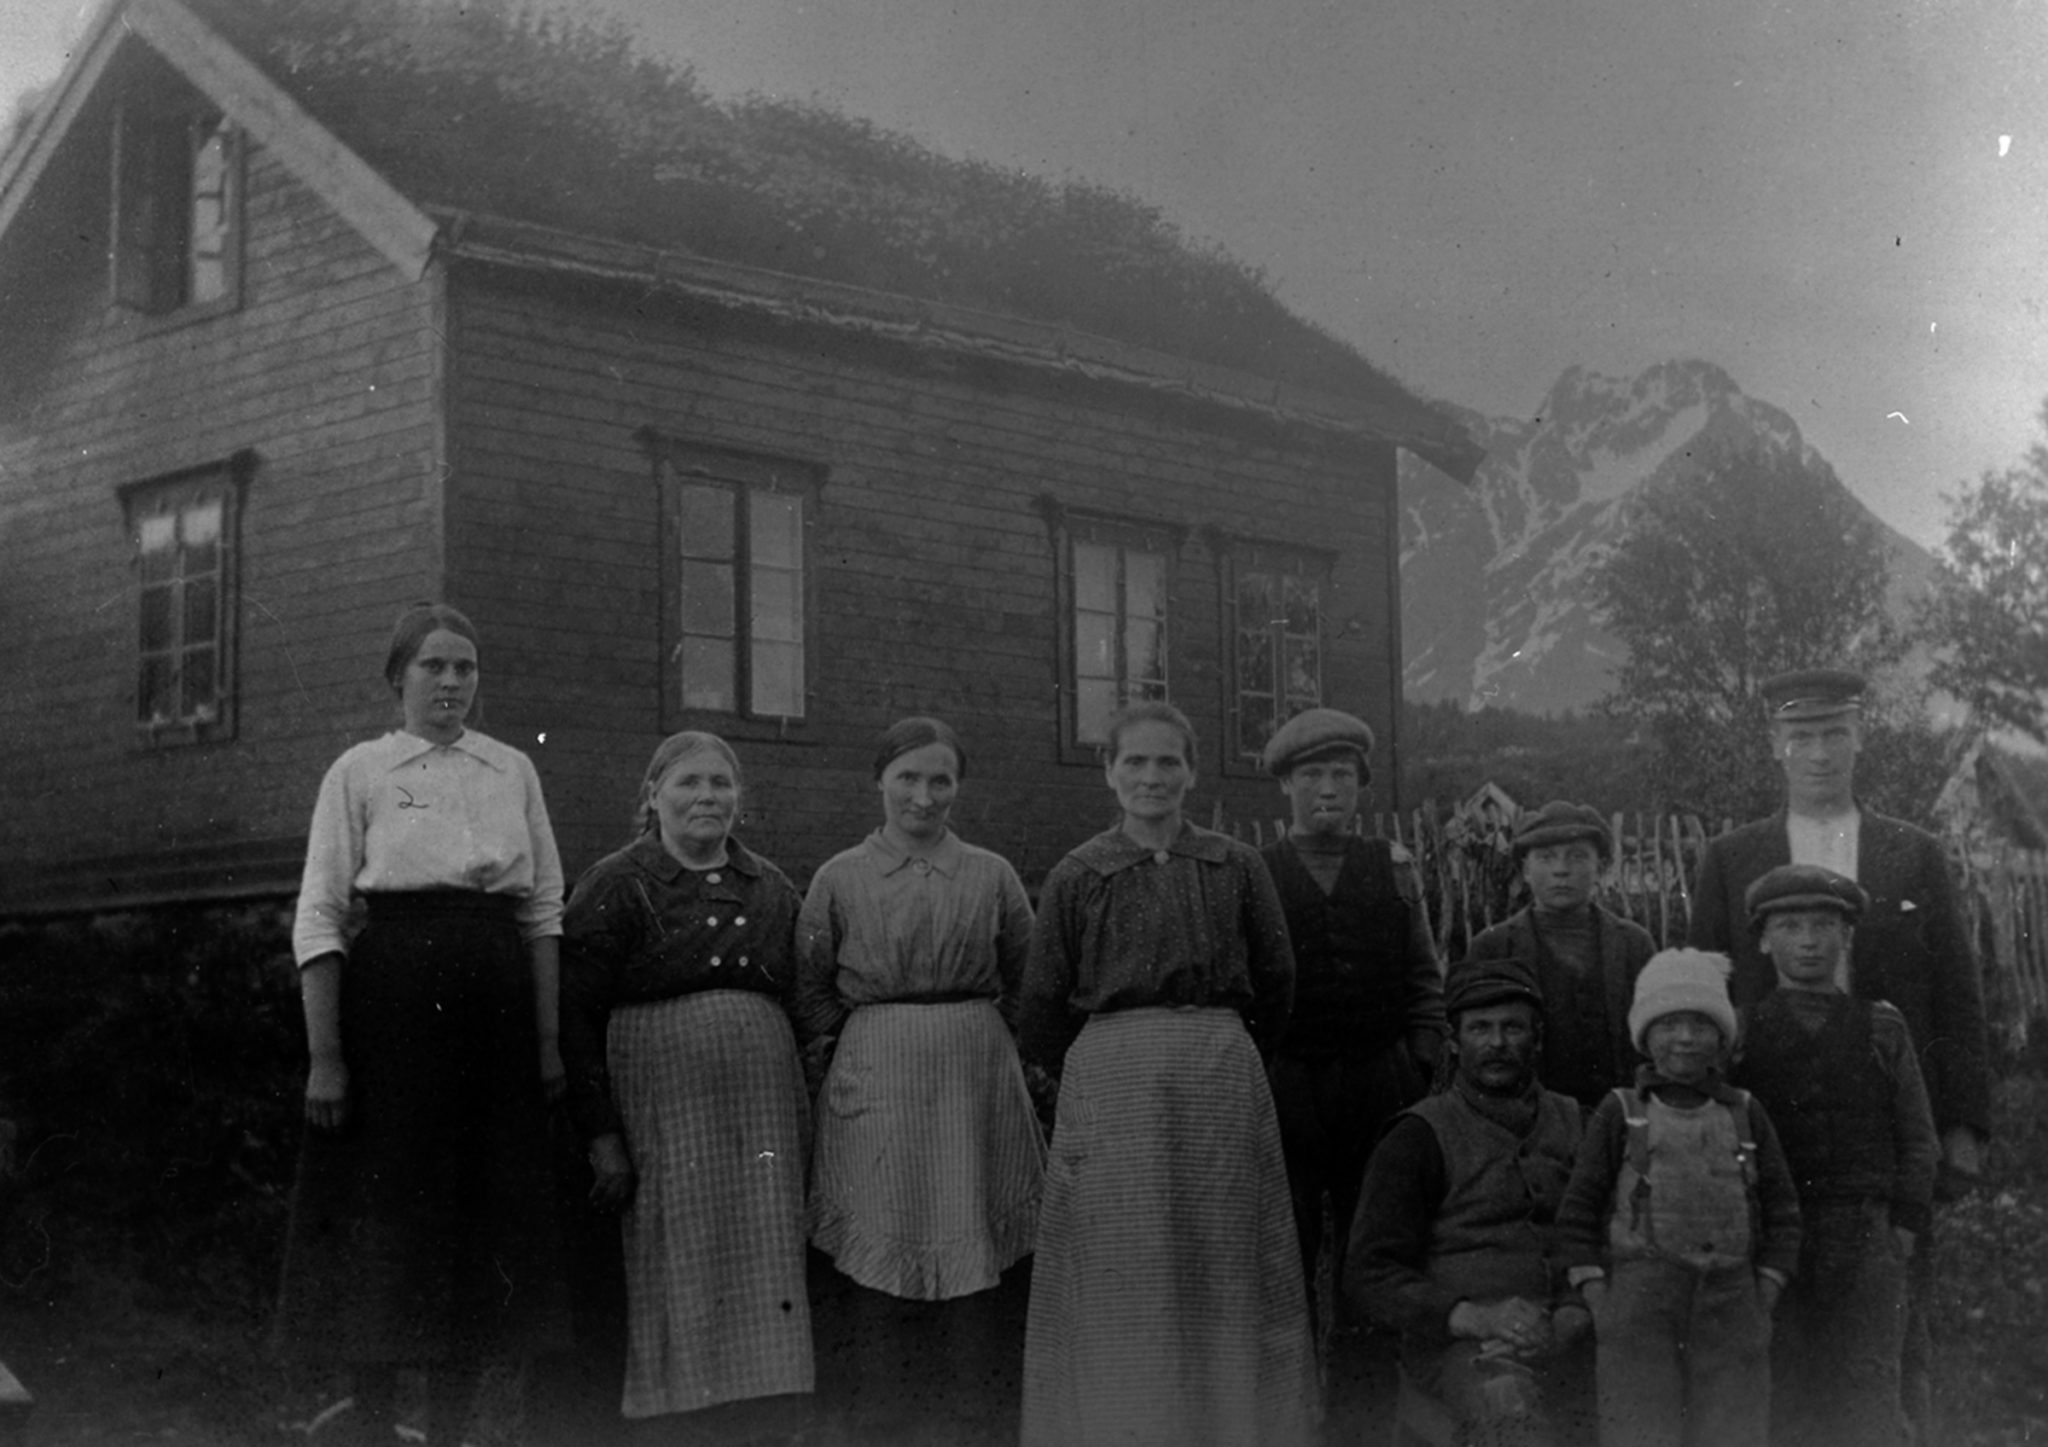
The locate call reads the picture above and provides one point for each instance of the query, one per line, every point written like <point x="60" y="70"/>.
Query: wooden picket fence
<point x="2007" y="890"/>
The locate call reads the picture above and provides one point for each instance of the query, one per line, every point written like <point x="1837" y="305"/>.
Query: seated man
<point x="1453" y="1242"/>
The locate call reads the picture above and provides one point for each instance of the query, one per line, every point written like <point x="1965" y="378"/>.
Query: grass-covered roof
<point x="497" y="108"/>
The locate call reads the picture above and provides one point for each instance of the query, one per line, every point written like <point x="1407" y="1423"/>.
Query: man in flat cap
<point x="1910" y="945"/>
<point x="1455" y="1241"/>
<point x="1368" y="1019"/>
<point x="1586" y="959"/>
<point x="1841" y="1081"/>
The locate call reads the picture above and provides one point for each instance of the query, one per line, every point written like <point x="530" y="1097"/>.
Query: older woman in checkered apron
<point x="929" y="1155"/>
<point x="679" y="951"/>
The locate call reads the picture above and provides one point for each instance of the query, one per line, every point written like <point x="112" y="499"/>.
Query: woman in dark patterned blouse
<point x="679" y="952"/>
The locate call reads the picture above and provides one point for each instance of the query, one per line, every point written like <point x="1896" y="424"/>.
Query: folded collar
<point x="1114" y="851"/>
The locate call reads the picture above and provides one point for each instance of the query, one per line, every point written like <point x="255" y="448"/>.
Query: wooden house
<point x="277" y="359"/>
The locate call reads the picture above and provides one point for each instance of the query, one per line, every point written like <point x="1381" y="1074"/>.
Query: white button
<point x="1161" y="857"/>
<point x="712" y="877"/>
<point x="743" y="962"/>
<point x="713" y="921"/>
<point x="739" y="921"/>
<point x="714" y="961"/>
<point x="924" y="866"/>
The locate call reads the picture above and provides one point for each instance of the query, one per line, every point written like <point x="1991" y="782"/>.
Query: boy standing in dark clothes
<point x="1842" y="1082"/>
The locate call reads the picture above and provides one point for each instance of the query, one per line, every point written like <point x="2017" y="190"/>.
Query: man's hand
<point x="1518" y="1324"/>
<point x="1569" y="1324"/>
<point x="612" y="1168"/>
<point x="1961" y="1153"/>
<point x="327" y="1093"/>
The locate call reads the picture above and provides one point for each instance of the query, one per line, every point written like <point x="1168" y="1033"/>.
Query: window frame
<point x="679" y="464"/>
<point x="225" y="481"/>
<point x="1070" y="528"/>
<point x="1238" y="556"/>
<point x="144" y="166"/>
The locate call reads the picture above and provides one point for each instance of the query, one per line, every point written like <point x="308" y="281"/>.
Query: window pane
<point x="156" y="539"/>
<point x="200" y="523"/>
<point x="778" y="606"/>
<point x="1254" y="722"/>
<point x="708" y="674"/>
<point x="1144" y="650"/>
<point x="707" y="518"/>
<point x="1094" y="646"/>
<point x="208" y="241"/>
<point x="1255" y="660"/>
<point x="1145" y="584"/>
<point x="1094" y="702"/>
<point x="201" y="617"/>
<point x="1304" y="670"/>
<point x="708" y="604"/>
<point x="777" y="522"/>
<point x="1301" y="605"/>
<point x="157" y="619"/>
<point x="778" y="680"/>
<point x="199" y="692"/>
<point x="1095" y="577"/>
<point x="1254" y="600"/>
<point x="153" y="701"/>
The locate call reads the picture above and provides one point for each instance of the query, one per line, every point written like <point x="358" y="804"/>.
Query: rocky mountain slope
<point x="1495" y="597"/>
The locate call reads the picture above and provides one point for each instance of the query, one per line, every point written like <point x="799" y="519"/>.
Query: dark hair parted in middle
<point x="411" y="630"/>
<point x="1150" y="710"/>
<point x="915" y="732"/>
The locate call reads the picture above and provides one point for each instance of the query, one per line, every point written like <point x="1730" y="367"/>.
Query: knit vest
<point x="1494" y="1234"/>
<point x="1350" y="951"/>
<point x="1687" y="1186"/>
<point x="1828" y="1094"/>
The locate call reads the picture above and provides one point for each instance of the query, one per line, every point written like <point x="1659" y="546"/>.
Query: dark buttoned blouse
<point x="640" y="928"/>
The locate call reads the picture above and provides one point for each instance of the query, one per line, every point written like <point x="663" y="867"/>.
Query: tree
<point x="1749" y="562"/>
<point x="1987" y="616"/>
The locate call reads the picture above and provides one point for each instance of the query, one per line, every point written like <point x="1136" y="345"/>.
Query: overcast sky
<point x="1842" y="202"/>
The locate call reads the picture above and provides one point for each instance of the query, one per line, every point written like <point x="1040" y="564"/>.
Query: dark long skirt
<point x="424" y="1230"/>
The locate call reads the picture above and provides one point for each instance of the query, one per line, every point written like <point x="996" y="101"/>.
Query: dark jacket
<point x="1625" y="947"/>
<point x="1910" y="948"/>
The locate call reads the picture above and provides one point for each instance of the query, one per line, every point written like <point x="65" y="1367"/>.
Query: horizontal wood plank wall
<point x="327" y="372"/>
<point x="932" y="568"/>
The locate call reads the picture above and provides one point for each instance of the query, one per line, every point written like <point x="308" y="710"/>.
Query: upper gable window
<point x="1276" y="602"/>
<point x="177" y="211"/>
<point x="183" y="530"/>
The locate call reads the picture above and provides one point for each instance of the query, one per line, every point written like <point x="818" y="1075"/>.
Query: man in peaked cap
<point x="1368" y="1017"/>
<point x="1910" y="946"/>
<point x="1455" y="1241"/>
<point x="1586" y="959"/>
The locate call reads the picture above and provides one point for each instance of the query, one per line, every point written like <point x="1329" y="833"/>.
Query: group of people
<point x="1251" y="1062"/>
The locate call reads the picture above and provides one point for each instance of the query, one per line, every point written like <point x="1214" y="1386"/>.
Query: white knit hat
<point x="1676" y="980"/>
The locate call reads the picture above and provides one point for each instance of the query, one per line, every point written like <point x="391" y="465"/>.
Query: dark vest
<point x="1495" y="1232"/>
<point x="1828" y="1095"/>
<point x="1350" y="951"/>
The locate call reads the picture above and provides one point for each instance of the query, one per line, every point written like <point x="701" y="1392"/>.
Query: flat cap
<point x="1803" y="886"/>
<point x="1560" y="822"/>
<point x="1810" y="693"/>
<point x="1474" y="984"/>
<point x="1313" y="732"/>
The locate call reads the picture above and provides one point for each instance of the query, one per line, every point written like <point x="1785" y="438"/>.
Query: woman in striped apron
<point x="1166" y="1301"/>
<point x="422" y="1228"/>
<point x="678" y="956"/>
<point x="929" y="1155"/>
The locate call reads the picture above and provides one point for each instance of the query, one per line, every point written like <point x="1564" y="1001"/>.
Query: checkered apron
<point x="716" y="1117"/>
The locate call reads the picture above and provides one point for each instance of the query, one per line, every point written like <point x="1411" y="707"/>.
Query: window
<point x="1116" y="583"/>
<point x="1276" y="607"/>
<point x="737" y="602"/>
<point x="177" y="210"/>
<point x="183" y="532"/>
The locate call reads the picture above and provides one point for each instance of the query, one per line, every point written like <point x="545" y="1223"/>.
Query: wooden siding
<point x="329" y="372"/>
<point x="931" y="561"/>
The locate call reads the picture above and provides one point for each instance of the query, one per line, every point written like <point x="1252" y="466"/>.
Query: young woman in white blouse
<point x="422" y="1229"/>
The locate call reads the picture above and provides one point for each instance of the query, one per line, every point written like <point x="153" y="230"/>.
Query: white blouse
<point x="401" y="813"/>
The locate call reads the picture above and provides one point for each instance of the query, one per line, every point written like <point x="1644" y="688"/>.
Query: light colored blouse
<point x="879" y="925"/>
<point x="400" y="813"/>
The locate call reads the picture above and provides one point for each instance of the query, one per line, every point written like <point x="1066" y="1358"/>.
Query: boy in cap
<point x="1455" y="1241"/>
<point x="1586" y="958"/>
<point x="1368" y="1020"/>
<point x="1842" y="1083"/>
<point x="1681" y="1225"/>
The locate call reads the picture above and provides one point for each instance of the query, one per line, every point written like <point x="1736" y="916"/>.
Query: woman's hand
<point x="554" y="1078"/>
<point x="327" y="1093"/>
<point x="613" y="1168"/>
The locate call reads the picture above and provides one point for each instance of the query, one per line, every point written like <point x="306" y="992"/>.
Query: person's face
<point x="695" y="803"/>
<point x="1561" y="876"/>
<point x="1497" y="1047"/>
<point x="1684" y="1046"/>
<point x="1324" y="794"/>
<point x="1150" y="772"/>
<point x="1819" y="757"/>
<point x="917" y="791"/>
<point x="439" y="685"/>
<point x="1806" y="945"/>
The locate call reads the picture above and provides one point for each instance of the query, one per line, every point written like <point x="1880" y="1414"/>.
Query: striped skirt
<point x="929" y="1156"/>
<point x="1166" y="1300"/>
<point x="715" y="1112"/>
